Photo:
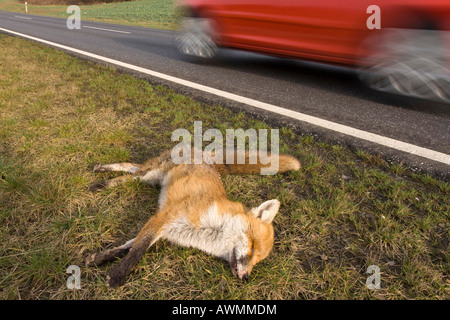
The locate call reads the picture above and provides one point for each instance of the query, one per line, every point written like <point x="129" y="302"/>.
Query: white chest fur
<point x="217" y="233"/>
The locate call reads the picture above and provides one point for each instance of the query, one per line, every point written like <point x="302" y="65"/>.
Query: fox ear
<point x="267" y="211"/>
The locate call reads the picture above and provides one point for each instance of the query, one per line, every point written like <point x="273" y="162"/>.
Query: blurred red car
<point x="399" y="46"/>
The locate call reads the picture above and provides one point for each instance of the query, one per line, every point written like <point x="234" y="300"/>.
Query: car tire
<point x="196" y="38"/>
<point x="410" y="62"/>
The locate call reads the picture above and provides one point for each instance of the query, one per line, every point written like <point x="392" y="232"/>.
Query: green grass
<point x="145" y="13"/>
<point x="342" y="212"/>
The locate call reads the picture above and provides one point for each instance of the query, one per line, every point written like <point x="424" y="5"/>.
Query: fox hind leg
<point x="147" y="236"/>
<point x="119" y="273"/>
<point x="97" y="259"/>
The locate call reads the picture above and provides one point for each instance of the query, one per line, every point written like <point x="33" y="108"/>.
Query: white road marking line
<point x="28" y="18"/>
<point x="103" y="29"/>
<point x="357" y="133"/>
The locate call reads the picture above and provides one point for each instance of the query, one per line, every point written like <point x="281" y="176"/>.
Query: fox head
<point x="257" y="241"/>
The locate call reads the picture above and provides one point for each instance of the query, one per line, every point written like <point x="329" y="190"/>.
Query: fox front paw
<point x="99" y="168"/>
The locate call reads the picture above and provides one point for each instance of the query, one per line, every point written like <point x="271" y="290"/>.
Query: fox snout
<point x="243" y="276"/>
<point x="240" y="266"/>
<point x="242" y="272"/>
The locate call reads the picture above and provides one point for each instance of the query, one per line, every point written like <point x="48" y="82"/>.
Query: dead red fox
<point x="194" y="211"/>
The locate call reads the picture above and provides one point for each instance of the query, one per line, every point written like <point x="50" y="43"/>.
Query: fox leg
<point x="109" y="183"/>
<point x="97" y="259"/>
<point x="148" y="235"/>
<point x="123" y="166"/>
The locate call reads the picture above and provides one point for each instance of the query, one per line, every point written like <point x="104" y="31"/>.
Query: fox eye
<point x="253" y="249"/>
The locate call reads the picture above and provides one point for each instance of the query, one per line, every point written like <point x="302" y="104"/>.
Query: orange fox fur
<point x="194" y="211"/>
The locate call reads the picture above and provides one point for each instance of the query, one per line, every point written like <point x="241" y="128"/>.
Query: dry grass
<point x="342" y="212"/>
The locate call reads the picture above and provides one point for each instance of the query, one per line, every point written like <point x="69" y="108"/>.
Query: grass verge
<point x="143" y="13"/>
<point x="342" y="212"/>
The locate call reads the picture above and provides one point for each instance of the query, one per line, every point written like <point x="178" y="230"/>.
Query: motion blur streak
<point x="400" y="46"/>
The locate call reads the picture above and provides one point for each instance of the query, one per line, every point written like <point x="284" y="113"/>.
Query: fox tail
<point x="252" y="163"/>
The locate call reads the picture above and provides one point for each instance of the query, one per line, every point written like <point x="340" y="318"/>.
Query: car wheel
<point x="196" y="38"/>
<point x="409" y="62"/>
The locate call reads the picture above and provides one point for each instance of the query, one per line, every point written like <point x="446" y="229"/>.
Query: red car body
<point x="321" y="30"/>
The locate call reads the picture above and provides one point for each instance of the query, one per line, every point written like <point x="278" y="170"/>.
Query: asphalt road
<point x="327" y="92"/>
